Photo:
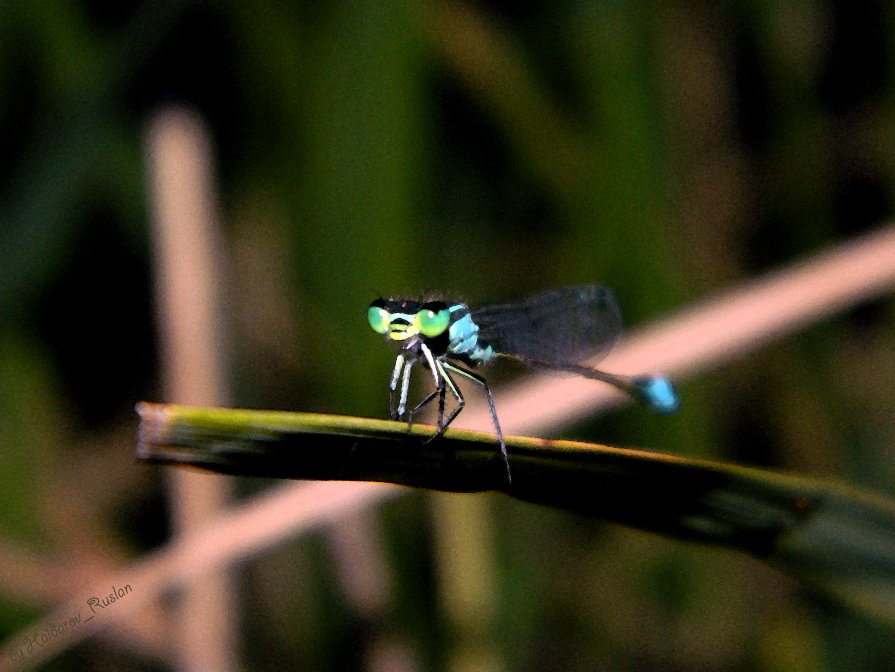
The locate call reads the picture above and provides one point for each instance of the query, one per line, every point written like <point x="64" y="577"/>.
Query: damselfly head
<point x="401" y="319"/>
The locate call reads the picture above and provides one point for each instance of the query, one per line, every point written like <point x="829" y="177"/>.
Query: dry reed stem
<point x="188" y="262"/>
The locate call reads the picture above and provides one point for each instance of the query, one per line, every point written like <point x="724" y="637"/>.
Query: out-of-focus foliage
<point x="487" y="150"/>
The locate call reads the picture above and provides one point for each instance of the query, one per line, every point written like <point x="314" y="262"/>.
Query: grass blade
<point x="839" y="539"/>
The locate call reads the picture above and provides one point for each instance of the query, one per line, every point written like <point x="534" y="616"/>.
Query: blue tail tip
<point x="657" y="392"/>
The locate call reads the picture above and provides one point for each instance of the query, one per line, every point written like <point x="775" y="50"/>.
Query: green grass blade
<point x="837" y="538"/>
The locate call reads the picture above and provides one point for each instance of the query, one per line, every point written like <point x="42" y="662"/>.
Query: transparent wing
<point x="559" y="325"/>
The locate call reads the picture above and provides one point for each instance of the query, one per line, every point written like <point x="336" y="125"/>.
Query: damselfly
<point x="553" y="330"/>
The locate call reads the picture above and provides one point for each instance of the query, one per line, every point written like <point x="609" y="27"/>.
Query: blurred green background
<point x="487" y="150"/>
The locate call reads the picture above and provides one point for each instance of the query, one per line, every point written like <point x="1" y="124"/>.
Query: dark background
<point x="489" y="150"/>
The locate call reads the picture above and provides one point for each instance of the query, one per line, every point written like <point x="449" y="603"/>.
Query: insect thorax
<point x="464" y="343"/>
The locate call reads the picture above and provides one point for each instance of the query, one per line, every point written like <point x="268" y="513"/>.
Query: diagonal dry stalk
<point x="710" y="333"/>
<point x="694" y="340"/>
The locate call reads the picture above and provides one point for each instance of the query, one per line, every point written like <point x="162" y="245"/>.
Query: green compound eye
<point x="378" y="316"/>
<point x="432" y="319"/>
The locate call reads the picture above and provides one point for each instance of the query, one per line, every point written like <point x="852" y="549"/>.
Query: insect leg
<point x="445" y="382"/>
<point x="469" y="375"/>
<point x="439" y="384"/>
<point x="413" y="411"/>
<point x="393" y="385"/>
<point x="452" y="386"/>
<point x="405" y="390"/>
<point x="441" y="395"/>
<point x="439" y="374"/>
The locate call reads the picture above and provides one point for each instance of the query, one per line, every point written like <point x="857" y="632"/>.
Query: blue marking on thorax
<point x="463" y="336"/>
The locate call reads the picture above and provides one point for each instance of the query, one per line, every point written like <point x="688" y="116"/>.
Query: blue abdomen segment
<point x="657" y="392"/>
<point x="463" y="336"/>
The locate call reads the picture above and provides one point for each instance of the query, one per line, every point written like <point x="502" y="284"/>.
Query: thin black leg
<point x="469" y="375"/>
<point x="461" y="402"/>
<point x="422" y="404"/>
<point x="441" y="397"/>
